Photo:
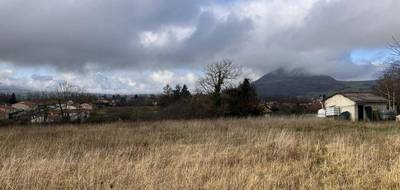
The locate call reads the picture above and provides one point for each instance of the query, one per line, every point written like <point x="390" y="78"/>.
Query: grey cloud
<point x="42" y="78"/>
<point x="331" y="30"/>
<point x="92" y="35"/>
<point x="342" y="26"/>
<point x="348" y="24"/>
<point x="70" y="34"/>
<point x="211" y="40"/>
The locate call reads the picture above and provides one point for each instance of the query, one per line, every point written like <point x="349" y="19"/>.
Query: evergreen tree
<point x="171" y="96"/>
<point x="185" y="91"/>
<point x="177" y="91"/>
<point x="167" y="90"/>
<point x="167" y="96"/>
<point x="247" y="91"/>
<point x="13" y="99"/>
<point x="242" y="101"/>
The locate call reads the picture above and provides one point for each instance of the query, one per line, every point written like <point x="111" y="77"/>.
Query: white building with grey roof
<point x="360" y="105"/>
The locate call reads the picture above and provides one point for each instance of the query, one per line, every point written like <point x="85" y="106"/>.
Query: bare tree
<point x="388" y="84"/>
<point x="64" y="93"/>
<point x="218" y="76"/>
<point x="395" y="48"/>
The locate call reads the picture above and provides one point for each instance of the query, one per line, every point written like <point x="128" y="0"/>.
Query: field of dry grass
<point x="273" y="153"/>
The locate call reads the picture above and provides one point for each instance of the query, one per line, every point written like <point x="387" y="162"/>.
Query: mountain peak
<point x="289" y="72"/>
<point x="298" y="83"/>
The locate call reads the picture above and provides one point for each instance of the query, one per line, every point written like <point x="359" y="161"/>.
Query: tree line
<point x="8" y="99"/>
<point x="219" y="94"/>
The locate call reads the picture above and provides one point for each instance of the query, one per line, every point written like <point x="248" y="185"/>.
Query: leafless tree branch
<point x="219" y="76"/>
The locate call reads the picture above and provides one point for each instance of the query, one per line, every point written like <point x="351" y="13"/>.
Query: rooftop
<point x="27" y="103"/>
<point x="5" y="107"/>
<point x="363" y="97"/>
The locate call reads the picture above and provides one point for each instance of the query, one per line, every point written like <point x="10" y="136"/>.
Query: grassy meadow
<point x="254" y="153"/>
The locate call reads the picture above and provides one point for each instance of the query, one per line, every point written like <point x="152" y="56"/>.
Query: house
<point x="22" y="110"/>
<point x="267" y="109"/>
<point x="24" y="106"/>
<point x="362" y="106"/>
<point x="6" y="111"/>
<point x="103" y="104"/>
<point x="86" y="106"/>
<point x="3" y="114"/>
<point x="71" y="107"/>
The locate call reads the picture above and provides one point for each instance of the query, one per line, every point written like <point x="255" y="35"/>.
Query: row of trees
<point x="8" y="99"/>
<point x="219" y="82"/>
<point x="170" y="95"/>
<point x="219" y="94"/>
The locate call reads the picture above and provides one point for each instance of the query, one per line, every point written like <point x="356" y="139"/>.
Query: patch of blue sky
<point x="187" y="71"/>
<point x="27" y="72"/>
<point x="226" y="1"/>
<point x="376" y="56"/>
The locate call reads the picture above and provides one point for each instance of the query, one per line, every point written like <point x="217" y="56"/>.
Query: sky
<point x="139" y="46"/>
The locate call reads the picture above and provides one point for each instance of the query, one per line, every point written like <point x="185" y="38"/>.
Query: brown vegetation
<point x="264" y="153"/>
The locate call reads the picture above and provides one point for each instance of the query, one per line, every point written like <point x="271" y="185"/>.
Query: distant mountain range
<point x="281" y="83"/>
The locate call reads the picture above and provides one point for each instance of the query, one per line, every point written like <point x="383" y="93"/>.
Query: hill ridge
<point x="281" y="83"/>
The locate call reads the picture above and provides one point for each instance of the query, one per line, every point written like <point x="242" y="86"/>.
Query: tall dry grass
<point x="268" y="153"/>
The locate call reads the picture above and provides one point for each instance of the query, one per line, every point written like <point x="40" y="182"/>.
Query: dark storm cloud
<point x="210" y="39"/>
<point x="343" y="26"/>
<point x="346" y="24"/>
<point x="109" y="35"/>
<point x="330" y="32"/>
<point x="70" y="34"/>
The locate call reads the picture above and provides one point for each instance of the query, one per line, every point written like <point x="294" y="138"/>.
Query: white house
<point x="86" y="106"/>
<point x="360" y="105"/>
